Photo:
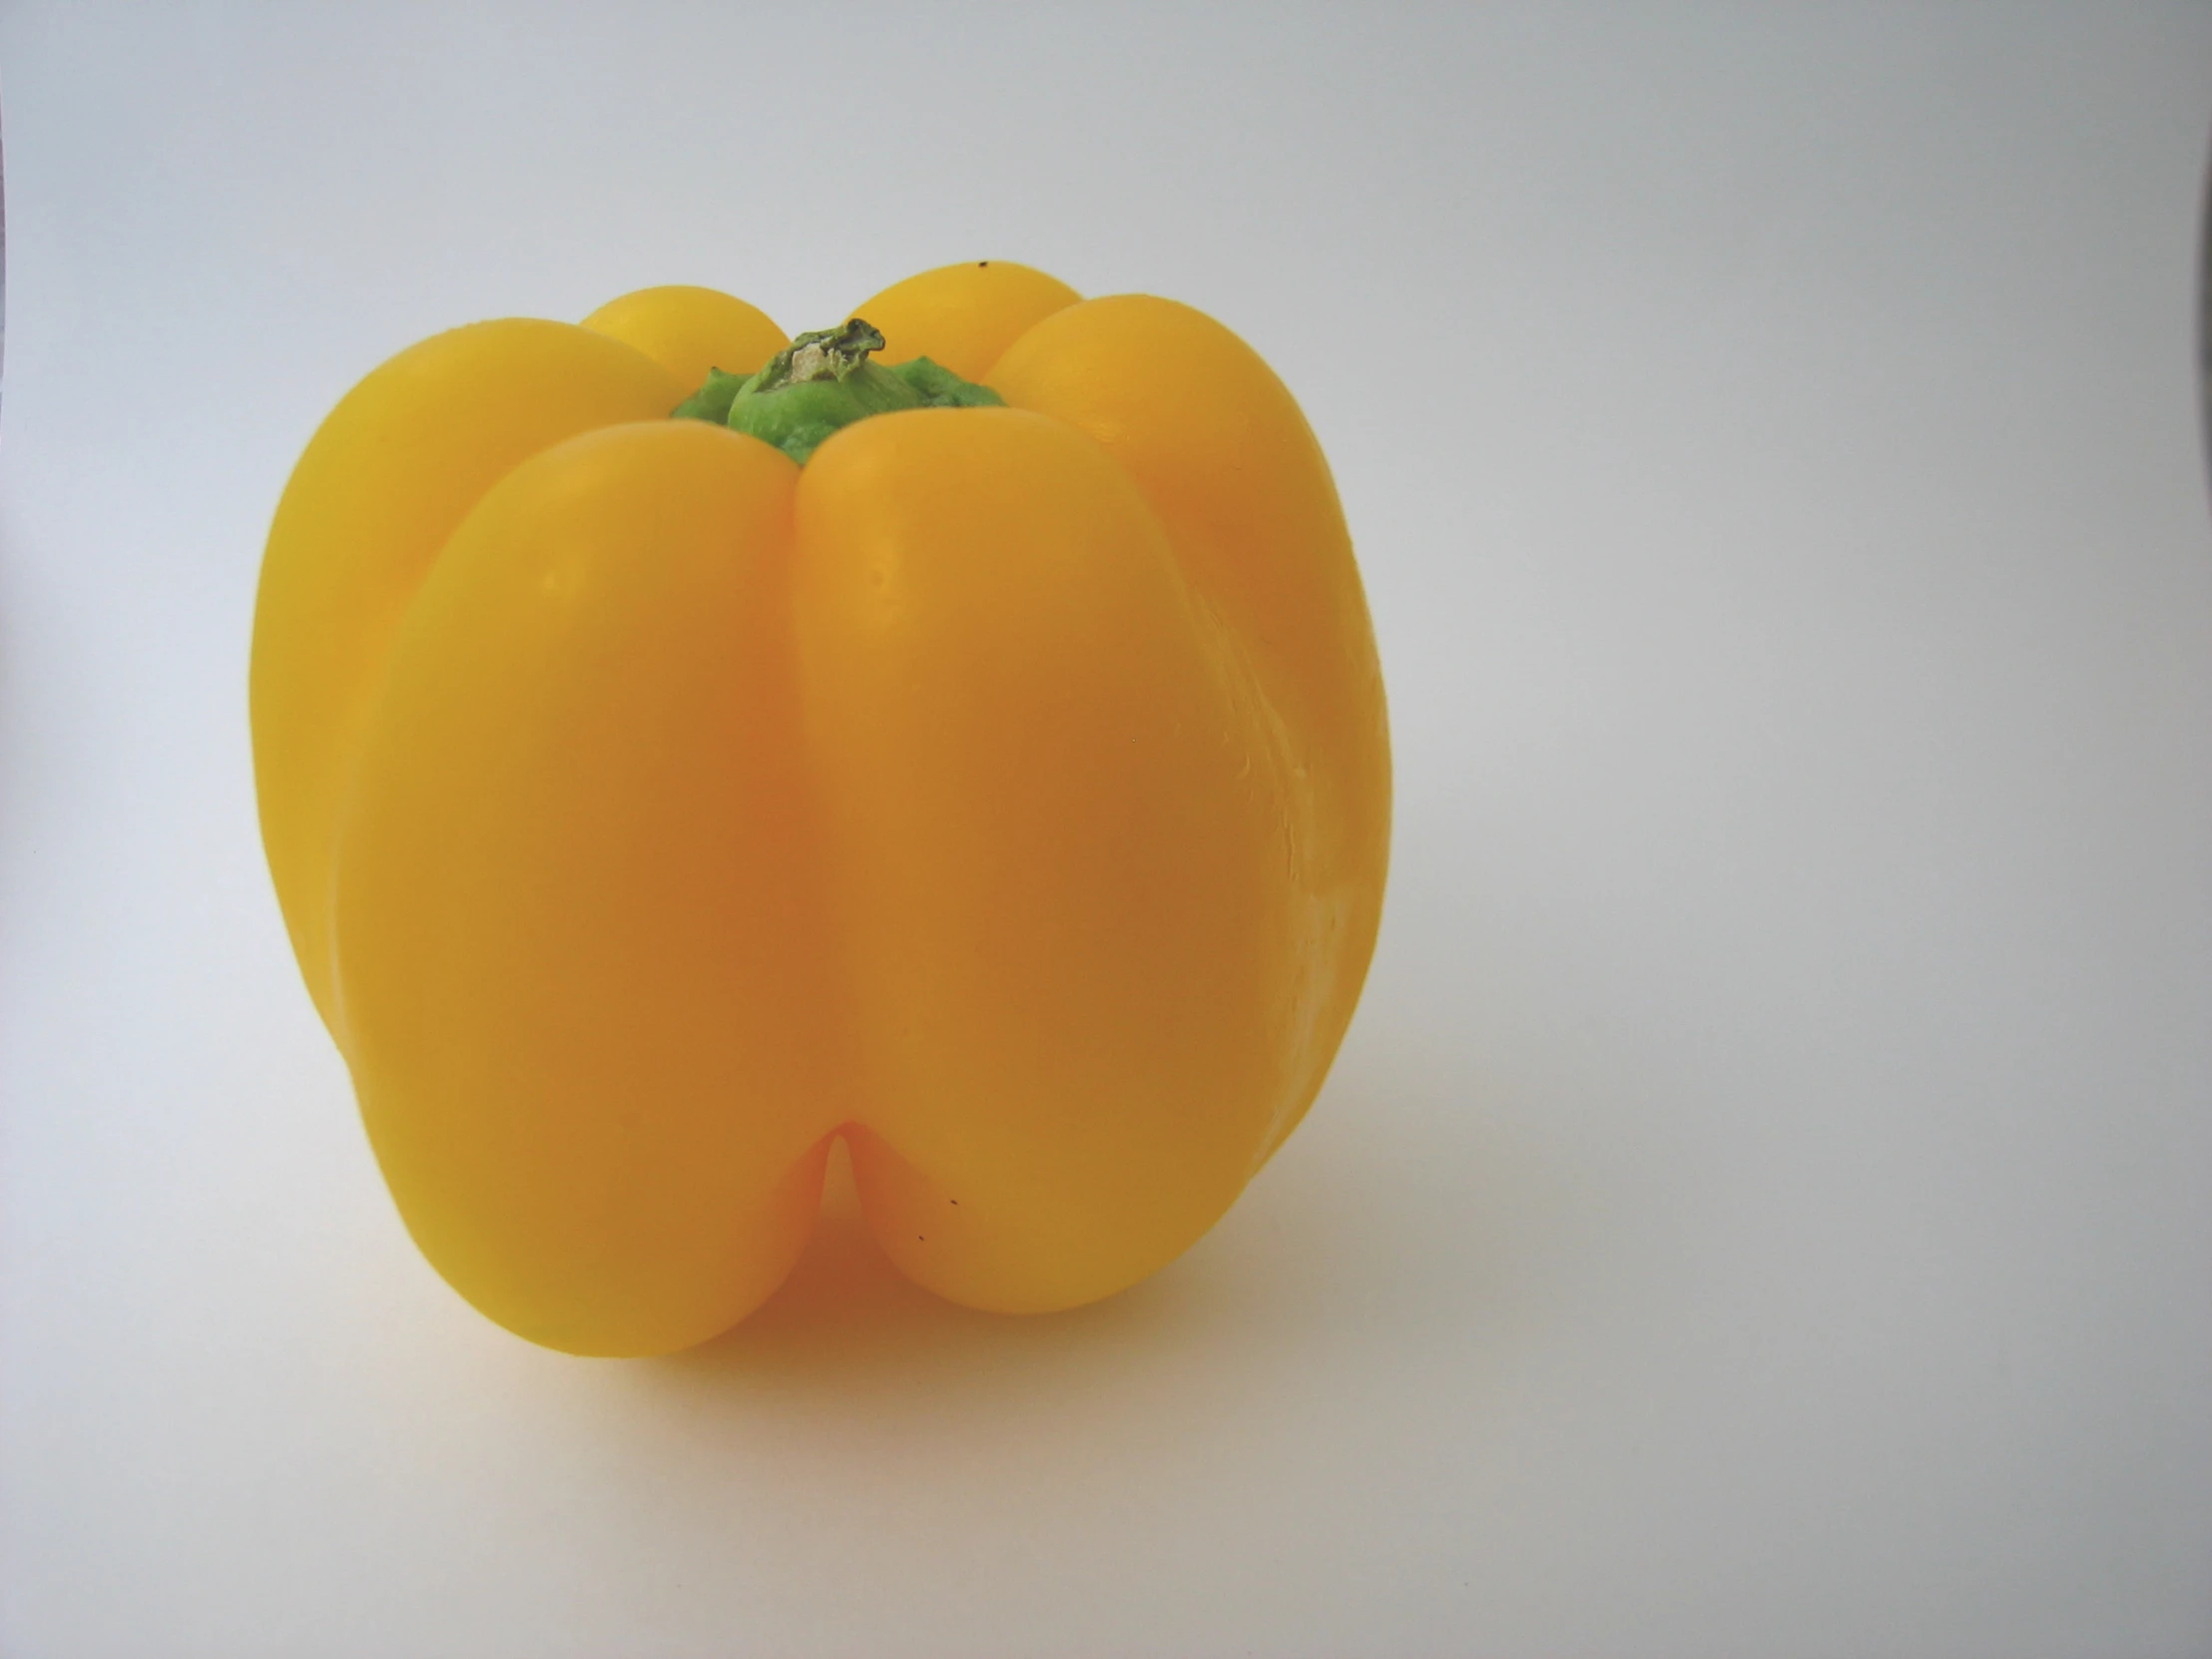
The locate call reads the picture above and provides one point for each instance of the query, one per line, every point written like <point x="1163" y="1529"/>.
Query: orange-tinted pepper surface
<point x="1006" y="789"/>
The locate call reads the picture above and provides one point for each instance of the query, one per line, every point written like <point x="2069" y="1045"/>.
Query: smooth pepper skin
<point x="1007" y="791"/>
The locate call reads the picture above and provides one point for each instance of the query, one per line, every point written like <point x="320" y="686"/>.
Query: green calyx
<point x="823" y="381"/>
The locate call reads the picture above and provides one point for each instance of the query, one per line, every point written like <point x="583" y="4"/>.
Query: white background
<point x="1765" y="1205"/>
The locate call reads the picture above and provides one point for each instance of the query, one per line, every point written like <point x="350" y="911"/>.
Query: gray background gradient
<point x="1765" y="1205"/>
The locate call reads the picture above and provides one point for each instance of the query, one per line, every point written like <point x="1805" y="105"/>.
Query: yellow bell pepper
<point x="1006" y="790"/>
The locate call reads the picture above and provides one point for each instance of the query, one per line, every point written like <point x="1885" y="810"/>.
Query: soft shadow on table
<point x="1373" y="1229"/>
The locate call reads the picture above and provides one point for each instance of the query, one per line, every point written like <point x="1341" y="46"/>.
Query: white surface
<point x="1765" y="1206"/>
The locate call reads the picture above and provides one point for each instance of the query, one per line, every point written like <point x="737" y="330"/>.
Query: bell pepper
<point x="679" y="747"/>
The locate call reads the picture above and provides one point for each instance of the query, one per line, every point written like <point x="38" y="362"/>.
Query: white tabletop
<point x="1765" y="1205"/>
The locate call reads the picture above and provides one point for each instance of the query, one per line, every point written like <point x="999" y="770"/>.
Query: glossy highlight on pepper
<point x="1004" y="790"/>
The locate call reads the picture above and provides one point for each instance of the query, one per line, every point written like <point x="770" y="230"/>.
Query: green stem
<point x="824" y="354"/>
<point x="823" y="382"/>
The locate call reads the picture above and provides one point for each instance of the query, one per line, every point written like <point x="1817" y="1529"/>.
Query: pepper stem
<point x="821" y="383"/>
<point x="824" y="354"/>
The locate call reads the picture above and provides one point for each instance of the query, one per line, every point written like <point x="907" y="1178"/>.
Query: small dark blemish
<point x="952" y="1201"/>
<point x="983" y="264"/>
